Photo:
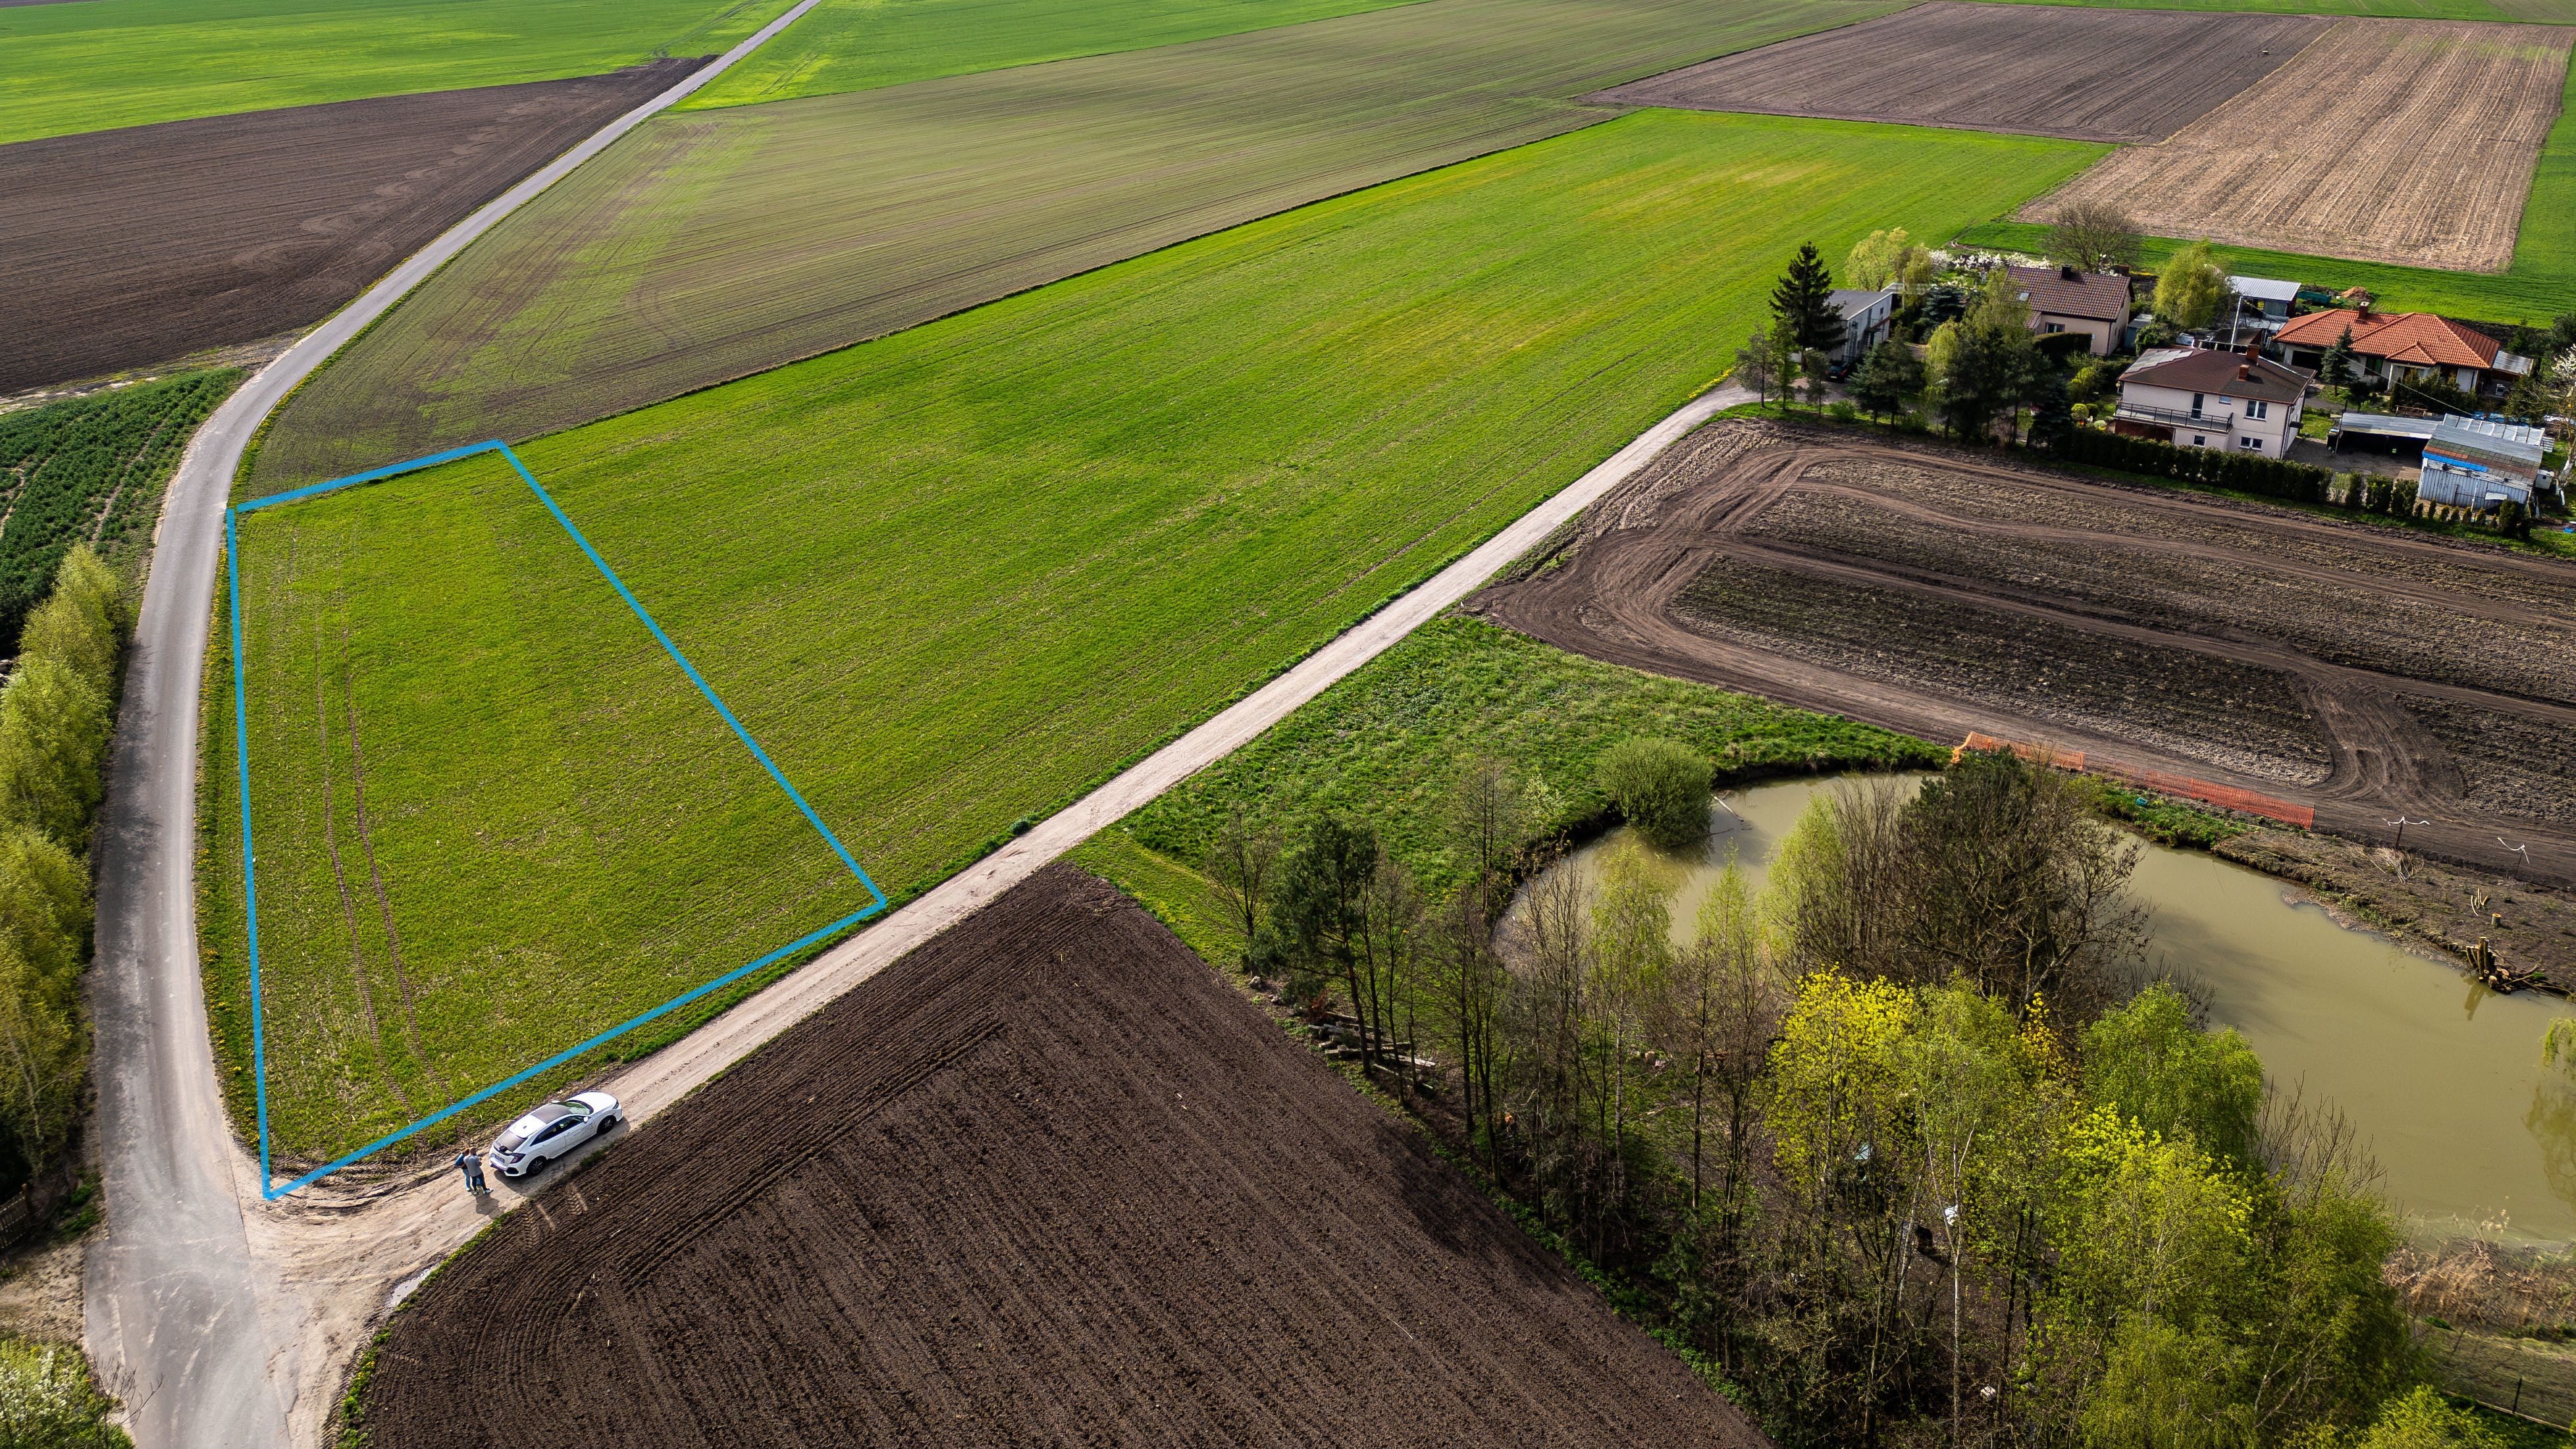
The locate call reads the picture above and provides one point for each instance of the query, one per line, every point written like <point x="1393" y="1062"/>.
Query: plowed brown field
<point x="2084" y="74"/>
<point x="132" y="247"/>
<point x="2350" y="668"/>
<point x="2406" y="141"/>
<point x="1045" y="1181"/>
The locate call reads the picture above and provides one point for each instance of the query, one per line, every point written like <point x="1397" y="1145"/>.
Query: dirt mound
<point x="1045" y="1181"/>
<point x="131" y="247"/>
<point x="2359" y="670"/>
<point x="2087" y="75"/>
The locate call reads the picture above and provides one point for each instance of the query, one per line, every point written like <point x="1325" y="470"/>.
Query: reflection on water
<point x="2441" y="1077"/>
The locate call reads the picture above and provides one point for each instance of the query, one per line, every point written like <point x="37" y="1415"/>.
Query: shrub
<point x="1661" y="787"/>
<point x="48" y="1402"/>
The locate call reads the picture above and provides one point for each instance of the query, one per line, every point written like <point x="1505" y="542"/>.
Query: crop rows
<point x="717" y="243"/>
<point x="2248" y="718"/>
<point x="89" y="469"/>
<point x="2397" y="141"/>
<point x="2089" y="75"/>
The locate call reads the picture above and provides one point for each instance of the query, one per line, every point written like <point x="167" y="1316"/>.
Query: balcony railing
<point x="2142" y="412"/>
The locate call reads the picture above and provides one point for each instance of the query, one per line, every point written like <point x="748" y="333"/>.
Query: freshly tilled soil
<point x="2408" y="141"/>
<point x="131" y="247"/>
<point x="1047" y="1180"/>
<point x="2084" y="74"/>
<point x="2362" y="670"/>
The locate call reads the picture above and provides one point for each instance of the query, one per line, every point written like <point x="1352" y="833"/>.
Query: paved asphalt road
<point x="173" y="1316"/>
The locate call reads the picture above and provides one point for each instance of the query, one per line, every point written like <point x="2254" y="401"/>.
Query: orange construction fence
<point x="2225" y="797"/>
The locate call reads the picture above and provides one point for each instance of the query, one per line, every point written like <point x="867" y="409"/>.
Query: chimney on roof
<point x="2244" y="370"/>
<point x="2066" y="273"/>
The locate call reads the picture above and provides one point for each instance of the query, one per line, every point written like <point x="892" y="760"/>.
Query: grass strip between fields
<point x="955" y="577"/>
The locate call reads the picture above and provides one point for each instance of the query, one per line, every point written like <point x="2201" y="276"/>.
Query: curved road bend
<point x="173" y="1305"/>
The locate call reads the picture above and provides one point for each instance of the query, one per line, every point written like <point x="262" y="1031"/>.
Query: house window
<point x="2200" y="440"/>
<point x="2253" y="444"/>
<point x="2056" y="326"/>
<point x="2256" y="407"/>
<point x="2195" y="404"/>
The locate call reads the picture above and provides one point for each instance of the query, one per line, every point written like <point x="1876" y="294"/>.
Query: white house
<point x="2199" y="398"/>
<point x="1867" y="319"/>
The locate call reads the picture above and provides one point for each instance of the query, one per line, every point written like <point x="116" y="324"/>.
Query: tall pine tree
<point x="2335" y="369"/>
<point x="1802" y="306"/>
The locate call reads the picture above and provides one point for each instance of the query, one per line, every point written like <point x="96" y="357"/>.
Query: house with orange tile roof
<point x="2408" y="344"/>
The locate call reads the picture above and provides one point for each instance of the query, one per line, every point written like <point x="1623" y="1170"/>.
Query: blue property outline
<point x="250" y="887"/>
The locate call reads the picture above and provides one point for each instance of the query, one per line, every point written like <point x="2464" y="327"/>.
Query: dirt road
<point x="2363" y="670"/>
<point x="194" y="1336"/>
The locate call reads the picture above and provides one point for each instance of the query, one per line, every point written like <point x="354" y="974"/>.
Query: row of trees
<point x="1896" y="1142"/>
<point x="56" y="713"/>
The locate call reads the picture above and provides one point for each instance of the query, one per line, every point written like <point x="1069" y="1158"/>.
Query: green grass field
<point x="718" y="243"/>
<point x="493" y="815"/>
<point x="858" y="45"/>
<point x="2538" y="287"/>
<point x="954" y="577"/>
<point x="103" y="63"/>
<point x="1387" y="745"/>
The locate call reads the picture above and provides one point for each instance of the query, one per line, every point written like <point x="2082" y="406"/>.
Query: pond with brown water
<point x="2441" y="1078"/>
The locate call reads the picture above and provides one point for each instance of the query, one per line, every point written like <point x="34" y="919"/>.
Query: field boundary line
<point x="250" y="886"/>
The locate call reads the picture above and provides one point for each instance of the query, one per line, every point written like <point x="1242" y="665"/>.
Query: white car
<point x="551" y="1131"/>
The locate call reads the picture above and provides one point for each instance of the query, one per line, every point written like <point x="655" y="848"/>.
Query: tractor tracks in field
<point x="1617" y="592"/>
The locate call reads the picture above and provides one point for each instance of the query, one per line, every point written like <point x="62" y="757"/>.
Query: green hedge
<point x="2216" y="467"/>
<point x="56" y="713"/>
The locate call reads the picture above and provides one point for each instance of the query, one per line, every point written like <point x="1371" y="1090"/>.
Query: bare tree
<point x="2093" y="235"/>
<point x="1548" y="945"/>
<point x="1244" y="864"/>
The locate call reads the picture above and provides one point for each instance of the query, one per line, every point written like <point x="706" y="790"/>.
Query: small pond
<point x="2441" y="1077"/>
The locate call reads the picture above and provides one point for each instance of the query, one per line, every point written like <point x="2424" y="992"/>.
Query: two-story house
<point x="2202" y="398"/>
<point x="1868" y="317"/>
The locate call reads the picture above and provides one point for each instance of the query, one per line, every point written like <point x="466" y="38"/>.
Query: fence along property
<point x="2163" y="782"/>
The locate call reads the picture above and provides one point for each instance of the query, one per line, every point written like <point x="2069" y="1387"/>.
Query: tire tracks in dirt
<point x="1613" y="592"/>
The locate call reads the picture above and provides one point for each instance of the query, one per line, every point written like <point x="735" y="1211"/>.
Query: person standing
<point x="471" y="1164"/>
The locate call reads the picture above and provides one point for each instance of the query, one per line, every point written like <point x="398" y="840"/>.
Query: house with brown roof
<point x="2201" y="398"/>
<point x="2065" y="299"/>
<point x="2407" y="344"/>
